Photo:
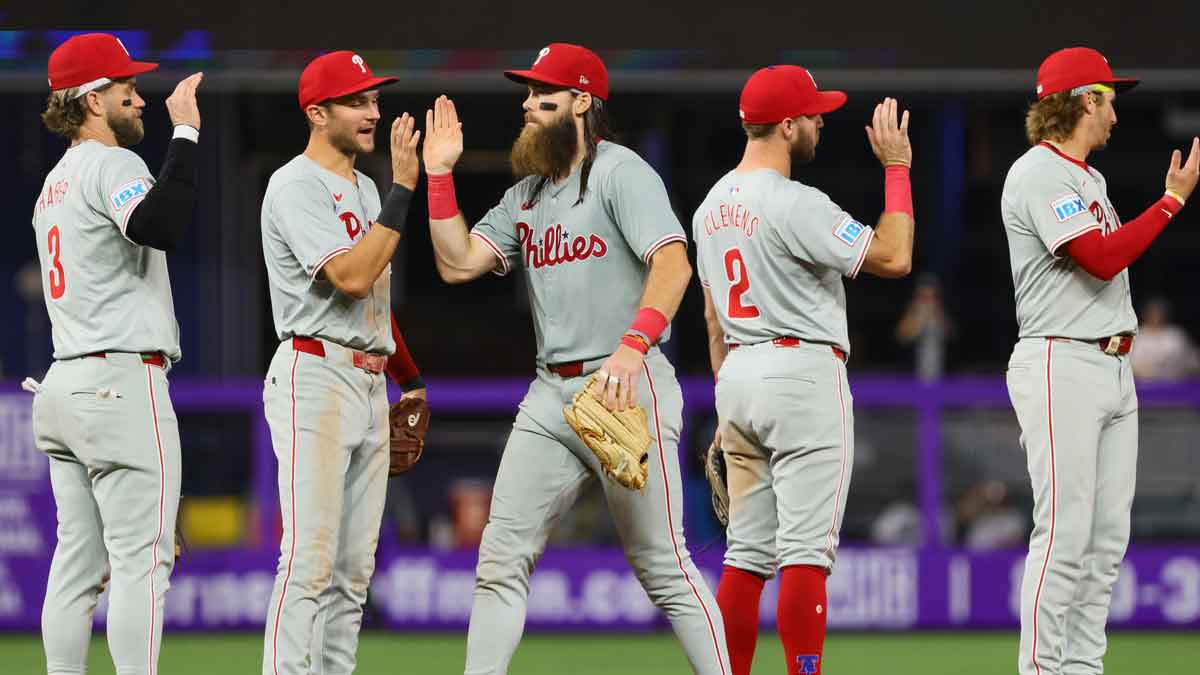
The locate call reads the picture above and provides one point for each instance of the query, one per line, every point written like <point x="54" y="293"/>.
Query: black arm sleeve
<point x="394" y="212"/>
<point x="162" y="218"/>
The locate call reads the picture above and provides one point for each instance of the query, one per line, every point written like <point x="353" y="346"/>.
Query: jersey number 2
<point x="739" y="278"/>
<point x="58" y="281"/>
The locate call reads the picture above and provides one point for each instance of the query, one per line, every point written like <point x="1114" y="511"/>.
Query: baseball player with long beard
<point x="771" y="253"/>
<point x="1069" y="377"/>
<point x="328" y="244"/>
<point x="606" y="267"/>
<point x="103" y="415"/>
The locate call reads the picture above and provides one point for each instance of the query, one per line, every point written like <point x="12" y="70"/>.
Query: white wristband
<point x="187" y="132"/>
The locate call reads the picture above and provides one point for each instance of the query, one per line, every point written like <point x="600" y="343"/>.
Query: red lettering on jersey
<point x="731" y="215"/>
<point x="1101" y="217"/>
<point x="337" y="197"/>
<point x="555" y="248"/>
<point x="353" y="226"/>
<point x="56" y="193"/>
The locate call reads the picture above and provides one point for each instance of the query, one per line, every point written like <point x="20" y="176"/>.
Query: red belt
<point x="372" y="363"/>
<point x="572" y="369"/>
<point x="1113" y="345"/>
<point x="796" y="342"/>
<point x="153" y="358"/>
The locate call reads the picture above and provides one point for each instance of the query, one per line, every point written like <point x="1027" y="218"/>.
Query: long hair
<point x="66" y="112"/>
<point x="597" y="126"/>
<point x="1054" y="117"/>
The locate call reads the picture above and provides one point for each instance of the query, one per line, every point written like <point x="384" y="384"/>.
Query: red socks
<point x="801" y="618"/>
<point x="737" y="596"/>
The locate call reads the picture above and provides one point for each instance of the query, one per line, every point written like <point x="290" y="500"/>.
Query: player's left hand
<point x="404" y="140"/>
<point x="617" y="385"/>
<point x="181" y="104"/>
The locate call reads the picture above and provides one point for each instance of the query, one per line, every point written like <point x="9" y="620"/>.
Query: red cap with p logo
<point x="567" y="66"/>
<point x="337" y="74"/>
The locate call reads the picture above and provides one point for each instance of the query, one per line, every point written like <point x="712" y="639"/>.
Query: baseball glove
<point x="409" y="421"/>
<point x="618" y="438"/>
<point x="714" y="470"/>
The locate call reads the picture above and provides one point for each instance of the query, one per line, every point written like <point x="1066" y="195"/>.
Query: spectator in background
<point x="1162" y="350"/>
<point x="926" y="325"/>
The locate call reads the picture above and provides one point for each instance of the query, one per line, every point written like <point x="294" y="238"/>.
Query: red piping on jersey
<point x="328" y="256"/>
<point x="670" y="238"/>
<point x="495" y="249"/>
<point x="1037" y="597"/>
<point x="292" y="552"/>
<point x="162" y="489"/>
<point x="862" y="257"/>
<point x="662" y="463"/>
<point x="841" y="471"/>
<point x="1060" y="153"/>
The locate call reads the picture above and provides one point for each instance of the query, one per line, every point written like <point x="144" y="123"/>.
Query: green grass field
<point x="845" y="654"/>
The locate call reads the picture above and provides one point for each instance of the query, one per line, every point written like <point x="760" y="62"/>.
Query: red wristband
<point x="897" y="189"/>
<point x="635" y="342"/>
<point x="649" y="322"/>
<point x="443" y="204"/>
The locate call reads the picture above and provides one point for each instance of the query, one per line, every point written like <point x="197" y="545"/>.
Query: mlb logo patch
<point x="128" y="192"/>
<point x="849" y="231"/>
<point x="1067" y="206"/>
<point x="735" y="190"/>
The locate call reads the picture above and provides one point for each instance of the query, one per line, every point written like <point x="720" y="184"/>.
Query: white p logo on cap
<point x="542" y="54"/>
<point x="358" y="61"/>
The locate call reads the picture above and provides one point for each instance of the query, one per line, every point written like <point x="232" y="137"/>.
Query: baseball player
<point x="606" y="265"/>
<point x="328" y="243"/>
<point x="771" y="254"/>
<point x="1069" y="378"/>
<point x="103" y="414"/>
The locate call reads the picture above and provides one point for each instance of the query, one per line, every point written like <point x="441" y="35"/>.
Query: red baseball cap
<point x="92" y="58"/>
<point x="1066" y="69"/>
<point x="568" y="66"/>
<point x="337" y="74"/>
<point x="777" y="93"/>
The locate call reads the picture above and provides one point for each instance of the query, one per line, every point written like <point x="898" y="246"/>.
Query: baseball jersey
<point x="585" y="263"/>
<point x="1048" y="200"/>
<point x="311" y="215"/>
<point x="772" y="252"/>
<point x="103" y="292"/>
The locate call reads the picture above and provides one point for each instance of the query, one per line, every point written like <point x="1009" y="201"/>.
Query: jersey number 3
<point x="58" y="281"/>
<point x="739" y="279"/>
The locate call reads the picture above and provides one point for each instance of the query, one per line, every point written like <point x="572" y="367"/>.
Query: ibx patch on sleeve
<point x="1067" y="206"/>
<point x="849" y="231"/>
<point x="134" y="189"/>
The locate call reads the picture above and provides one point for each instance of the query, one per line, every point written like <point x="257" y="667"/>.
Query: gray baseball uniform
<point x="328" y="418"/>
<point x="586" y="267"/>
<point x="772" y="253"/>
<point x="1077" y="409"/>
<point x="107" y="424"/>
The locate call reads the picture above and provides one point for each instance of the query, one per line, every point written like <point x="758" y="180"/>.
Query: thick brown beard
<point x="127" y="130"/>
<point x="545" y="151"/>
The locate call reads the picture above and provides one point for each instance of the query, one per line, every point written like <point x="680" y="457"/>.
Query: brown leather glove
<point x="409" y="421"/>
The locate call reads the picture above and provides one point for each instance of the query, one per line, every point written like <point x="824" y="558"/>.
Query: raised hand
<point x="181" y="104"/>
<point x="405" y="165"/>
<point x="1182" y="179"/>
<point x="443" y="137"/>
<point x="889" y="137"/>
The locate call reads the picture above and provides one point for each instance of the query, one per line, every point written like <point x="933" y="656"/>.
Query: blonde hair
<point x="65" y="113"/>
<point x="1055" y="117"/>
